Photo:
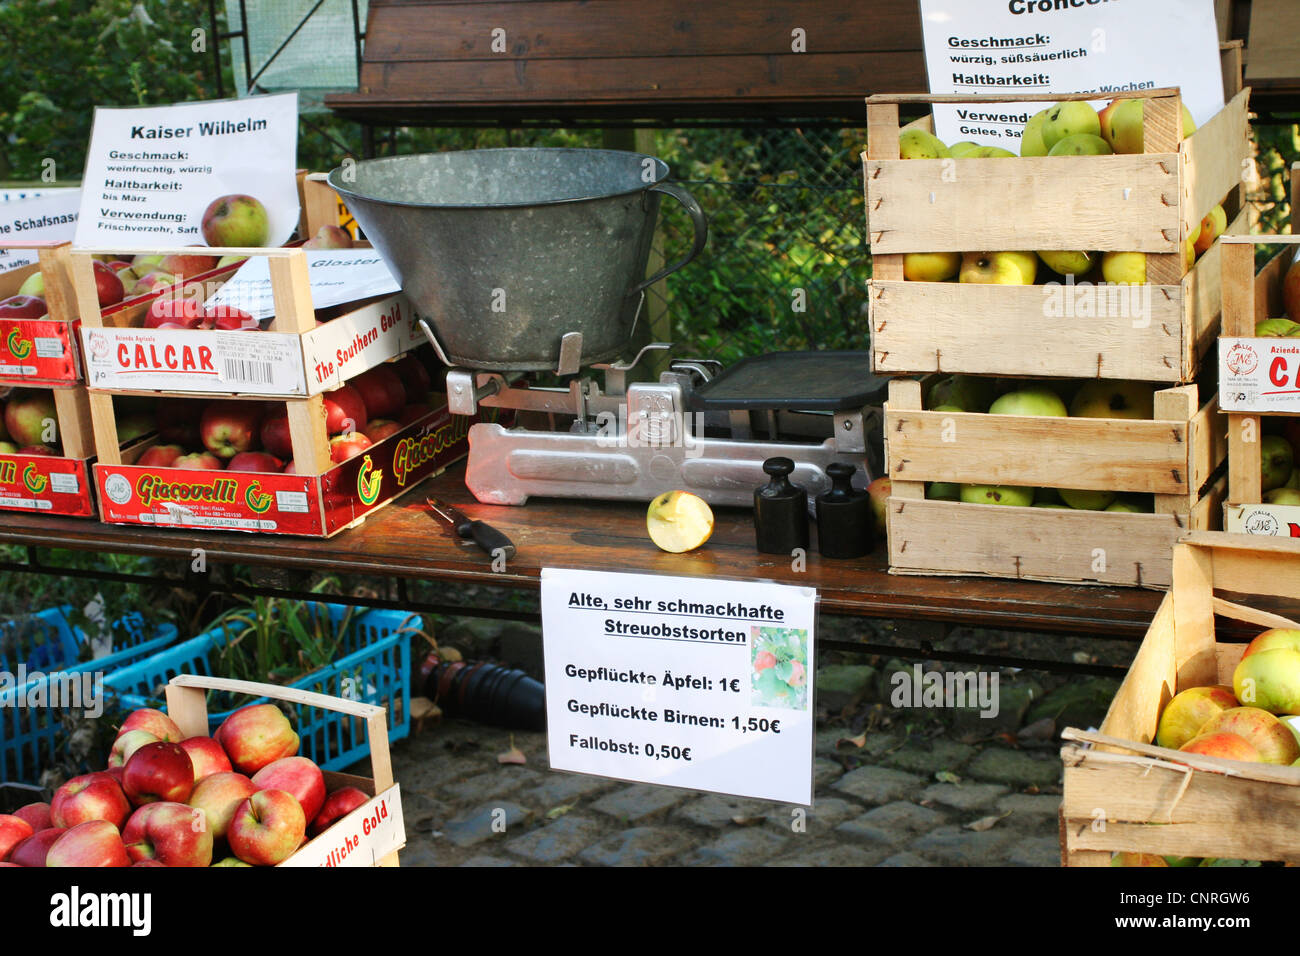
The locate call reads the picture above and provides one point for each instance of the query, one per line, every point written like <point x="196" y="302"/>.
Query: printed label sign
<point x="47" y="484"/>
<point x="36" y="350"/>
<point x="338" y="276"/>
<point x="686" y="682"/>
<point x="52" y="216"/>
<point x="1259" y="374"/>
<point x="977" y="47"/>
<point x="152" y="173"/>
<point x="362" y="838"/>
<point x="1282" y="521"/>
<point x="194" y="360"/>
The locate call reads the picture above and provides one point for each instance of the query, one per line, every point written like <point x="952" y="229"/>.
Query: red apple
<point x="30" y="417"/>
<point x="93" y="843"/>
<point x="879" y="491"/>
<point x="343" y="447"/>
<point x="413" y="413"/>
<point x="155" y="722"/>
<point x="158" y="772"/>
<point x="230" y="320"/>
<point x="298" y="776"/>
<point x="267" y="828"/>
<point x="235" y="220"/>
<point x="92" y="796"/>
<point x="381" y="390"/>
<point x="22" y="307"/>
<point x="184" y="264"/>
<point x="207" y="756"/>
<point x="37" y="814"/>
<point x="219" y="796"/>
<point x="168" y="310"/>
<point x="229" y="427"/>
<point x="329" y="237"/>
<point x="1222" y="744"/>
<point x="150" y="282"/>
<point x="174" y="834"/>
<point x="415" y="377"/>
<point x="275" y="435"/>
<point x="336" y="806"/>
<point x="255" y="461"/>
<point x="201" y="461"/>
<point x="160" y="456"/>
<point x="108" y="285"/>
<point x="255" y="736"/>
<point x="33" y="850"/>
<point x="178" y="422"/>
<point x="127" y="743"/>
<point x="381" y="428"/>
<point x="345" y="410"/>
<point x="289" y="469"/>
<point x="40" y="450"/>
<point x="1189" y="710"/>
<point x="13" y="831"/>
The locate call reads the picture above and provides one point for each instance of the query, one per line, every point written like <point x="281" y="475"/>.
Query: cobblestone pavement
<point x="892" y="802"/>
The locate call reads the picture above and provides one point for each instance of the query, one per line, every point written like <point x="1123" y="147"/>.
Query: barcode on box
<point x="64" y="484"/>
<point x="292" y="501"/>
<point x="248" y="372"/>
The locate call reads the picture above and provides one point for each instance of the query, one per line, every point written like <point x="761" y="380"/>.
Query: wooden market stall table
<point x="403" y="540"/>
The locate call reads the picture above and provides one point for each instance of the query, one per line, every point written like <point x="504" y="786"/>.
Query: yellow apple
<point x="918" y="144"/>
<point x="1124" y="267"/>
<point x="1069" y="263"/>
<point x="931" y="266"/>
<point x="1188" y="711"/>
<point x="679" y="521"/>
<point x="1104" y="399"/>
<point x="999" y="268"/>
<point x="1212" y="226"/>
<point x="1031" y="141"/>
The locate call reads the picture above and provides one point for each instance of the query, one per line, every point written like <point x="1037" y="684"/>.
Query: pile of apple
<point x="1059" y="399"/>
<point x="1066" y="129"/>
<point x="1285" y="326"/>
<point x="240" y="798"/>
<point x="26" y="419"/>
<point x="235" y="435"/>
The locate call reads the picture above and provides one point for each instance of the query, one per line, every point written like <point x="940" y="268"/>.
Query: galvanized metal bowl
<point x="506" y="251"/>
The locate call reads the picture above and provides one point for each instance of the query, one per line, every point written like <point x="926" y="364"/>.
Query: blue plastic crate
<point x="374" y="667"/>
<point x="47" y="647"/>
<point x="48" y="641"/>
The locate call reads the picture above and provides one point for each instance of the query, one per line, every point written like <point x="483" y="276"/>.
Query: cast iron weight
<point x="780" y="510"/>
<point x="844" y="521"/>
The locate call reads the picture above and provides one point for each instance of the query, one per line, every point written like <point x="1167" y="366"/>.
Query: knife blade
<point x="483" y="534"/>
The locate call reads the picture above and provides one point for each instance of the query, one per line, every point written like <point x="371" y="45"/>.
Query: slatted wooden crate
<point x="41" y="351"/>
<point x="1125" y="203"/>
<point x="1123" y="793"/>
<point x="1174" y="457"/>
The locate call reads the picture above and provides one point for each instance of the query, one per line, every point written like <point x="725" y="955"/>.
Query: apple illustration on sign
<point x="236" y="220"/>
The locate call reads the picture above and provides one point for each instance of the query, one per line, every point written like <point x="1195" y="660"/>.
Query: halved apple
<point x="679" y="521"/>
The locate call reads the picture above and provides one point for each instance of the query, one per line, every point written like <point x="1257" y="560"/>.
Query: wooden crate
<point x="48" y="484"/>
<point x="1123" y="793"/>
<point x="1249" y="298"/>
<point x="1125" y="203"/>
<point x="41" y="351"/>
<point x="354" y="840"/>
<point x="1173" y="457"/>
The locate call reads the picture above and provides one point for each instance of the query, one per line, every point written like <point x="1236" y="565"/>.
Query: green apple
<point x="943" y="491"/>
<point x="1031" y="141"/>
<point x="966" y="393"/>
<point x="1050" y="504"/>
<point x="1047" y="496"/>
<point x="1276" y="459"/>
<point x="1294" y="480"/>
<point x="964" y="148"/>
<point x="235" y="220"/>
<point x="991" y="152"/>
<point x="918" y="144"/>
<point x="1066" y="119"/>
<point x="1126" y="126"/>
<point x="1269" y="328"/>
<point x="1125" y="268"/>
<point x="1129" y="504"/>
<point x="931" y="266"/>
<point x="1085" y="500"/>
<point x="1105" y="118"/>
<point x="1102" y="399"/>
<point x="997" y="495"/>
<point x="1269" y="679"/>
<point x="1081" y="144"/>
<point x="1274" y="637"/>
<point x="1069" y="262"/>
<point x="1030" y="401"/>
<point x="1282" y="496"/>
<point x="34" y="284"/>
<point x="999" y="268"/>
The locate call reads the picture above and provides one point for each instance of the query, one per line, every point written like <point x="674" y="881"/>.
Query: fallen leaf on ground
<point x="559" y="811"/>
<point x="513" y="755"/>
<point x="947" y="776"/>
<point x="986" y="823"/>
<point x="747" y="821"/>
<point x="859" y="741"/>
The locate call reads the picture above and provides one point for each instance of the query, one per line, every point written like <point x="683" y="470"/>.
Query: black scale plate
<point x="794" y="381"/>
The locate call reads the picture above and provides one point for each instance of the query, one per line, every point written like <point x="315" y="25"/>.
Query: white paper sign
<point x="1259" y="374"/>
<point x="152" y="172"/>
<point x="1281" y="521"/>
<point x="52" y="216"/>
<point x="978" y="47"/>
<point x="193" y="360"/>
<point x="684" y="682"/>
<point x="338" y="276"/>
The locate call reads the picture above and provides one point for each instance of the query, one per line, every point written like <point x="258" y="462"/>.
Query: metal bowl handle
<point x="698" y="220"/>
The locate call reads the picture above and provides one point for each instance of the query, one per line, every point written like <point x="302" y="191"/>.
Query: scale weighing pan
<point x="793" y="381"/>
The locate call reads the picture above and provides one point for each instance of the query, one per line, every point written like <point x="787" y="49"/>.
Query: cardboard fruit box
<point x="52" y="484"/>
<point x="370" y="835"/>
<point x="41" y="350"/>
<point x="1125" y="794"/>
<point x="320" y="500"/>
<point x="1259" y="382"/>
<point x="1174" y="457"/>
<point x="1146" y="203"/>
